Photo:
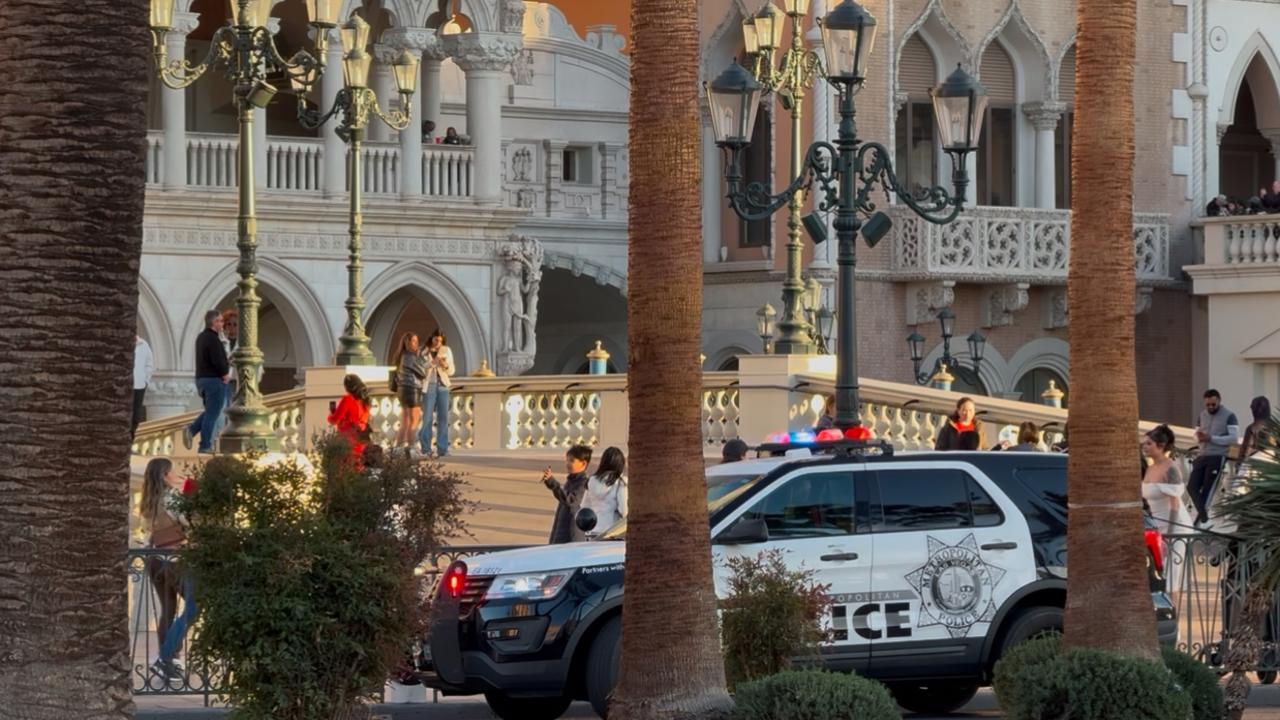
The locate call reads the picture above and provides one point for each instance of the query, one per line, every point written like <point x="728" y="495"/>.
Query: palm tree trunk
<point x="72" y="139"/>
<point x="671" y="665"/>
<point x="1246" y="648"/>
<point x="1108" y="602"/>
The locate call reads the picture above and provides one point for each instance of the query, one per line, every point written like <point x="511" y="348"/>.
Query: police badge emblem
<point x="956" y="586"/>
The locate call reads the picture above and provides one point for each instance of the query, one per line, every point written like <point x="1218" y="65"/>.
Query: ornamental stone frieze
<point x="1044" y="116"/>
<point x="419" y="41"/>
<point x="924" y="300"/>
<point x="309" y="244"/>
<point x="476" y="51"/>
<point x="1054" y="312"/>
<point x="1001" y="302"/>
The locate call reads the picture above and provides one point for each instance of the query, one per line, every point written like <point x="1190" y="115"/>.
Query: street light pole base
<point x="354" y="351"/>
<point x="248" y="430"/>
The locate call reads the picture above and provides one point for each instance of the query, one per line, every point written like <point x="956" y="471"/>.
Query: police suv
<point x="937" y="563"/>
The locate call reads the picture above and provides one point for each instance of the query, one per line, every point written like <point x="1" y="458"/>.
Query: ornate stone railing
<point x="1245" y="240"/>
<point x="287" y="413"/>
<point x="996" y="244"/>
<point x="297" y="165"/>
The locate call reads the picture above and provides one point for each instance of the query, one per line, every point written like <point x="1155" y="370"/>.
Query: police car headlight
<point x="531" y="586"/>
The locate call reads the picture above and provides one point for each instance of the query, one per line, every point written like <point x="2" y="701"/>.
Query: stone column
<point x="335" y="151"/>
<point x="824" y="255"/>
<point x="383" y="86"/>
<point x="1273" y="136"/>
<point x="610" y="199"/>
<point x="713" y="201"/>
<point x="415" y="40"/>
<point x="432" y="89"/>
<point x="485" y="58"/>
<point x="1044" y="117"/>
<point x="173" y="105"/>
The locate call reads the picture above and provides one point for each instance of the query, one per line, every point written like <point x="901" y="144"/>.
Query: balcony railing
<point x="996" y="244"/>
<point x="297" y="165"/>
<point x="1248" y="240"/>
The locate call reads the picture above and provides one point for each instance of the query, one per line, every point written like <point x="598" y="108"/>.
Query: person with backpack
<point x="606" y="492"/>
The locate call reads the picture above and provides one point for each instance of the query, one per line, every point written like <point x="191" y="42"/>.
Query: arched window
<point x="997" y="177"/>
<point x="967" y="381"/>
<point x="1062" y="135"/>
<point x="1033" y="384"/>
<point x="730" y="365"/>
<point x="917" y="156"/>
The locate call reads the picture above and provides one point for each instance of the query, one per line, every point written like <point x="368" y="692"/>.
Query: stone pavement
<point x="1265" y="706"/>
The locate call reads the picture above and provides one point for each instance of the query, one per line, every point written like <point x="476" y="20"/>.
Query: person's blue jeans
<point x="178" y="630"/>
<point x="228" y="395"/>
<point x="214" y="393"/>
<point x="435" y="402"/>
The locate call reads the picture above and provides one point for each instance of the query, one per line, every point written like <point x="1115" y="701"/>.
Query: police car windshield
<point x="721" y="490"/>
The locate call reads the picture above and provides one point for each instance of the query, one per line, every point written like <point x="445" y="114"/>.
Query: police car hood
<point x="548" y="557"/>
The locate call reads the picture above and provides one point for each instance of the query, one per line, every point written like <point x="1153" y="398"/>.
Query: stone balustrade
<point x="1252" y="240"/>
<point x="768" y="394"/>
<point x="297" y="165"/>
<point x="998" y="244"/>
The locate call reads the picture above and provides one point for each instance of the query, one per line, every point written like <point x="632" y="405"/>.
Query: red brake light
<point x="857" y="432"/>
<point x="829" y="435"/>
<point x="455" y="579"/>
<point x="1155" y="543"/>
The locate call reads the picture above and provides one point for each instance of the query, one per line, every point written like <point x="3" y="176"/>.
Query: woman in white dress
<point x="1162" y="484"/>
<point x="1166" y="495"/>
<point x="606" y="494"/>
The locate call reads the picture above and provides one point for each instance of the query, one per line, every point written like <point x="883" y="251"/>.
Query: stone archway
<point x="419" y="297"/>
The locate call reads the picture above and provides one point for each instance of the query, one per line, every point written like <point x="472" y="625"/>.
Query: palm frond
<point x="1254" y="505"/>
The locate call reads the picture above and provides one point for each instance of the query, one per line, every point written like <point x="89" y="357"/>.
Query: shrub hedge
<point x="814" y="695"/>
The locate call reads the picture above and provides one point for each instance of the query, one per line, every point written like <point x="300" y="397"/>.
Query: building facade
<point x="515" y="244"/>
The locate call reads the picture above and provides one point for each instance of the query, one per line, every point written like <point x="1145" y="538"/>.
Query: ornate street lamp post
<point x="789" y="80"/>
<point x="245" y="52"/>
<point x="946" y="321"/>
<point x="359" y="105"/>
<point x="764" y="326"/>
<point x="848" y="172"/>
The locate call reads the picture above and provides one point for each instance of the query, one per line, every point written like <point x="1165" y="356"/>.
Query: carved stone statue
<point x="517" y="290"/>
<point x="522" y="68"/>
<point x="522" y="165"/>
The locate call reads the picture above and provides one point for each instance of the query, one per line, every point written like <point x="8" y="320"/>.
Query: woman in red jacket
<point x="351" y="416"/>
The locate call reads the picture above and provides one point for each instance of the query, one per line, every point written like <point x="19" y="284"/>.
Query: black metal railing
<point x="156" y="584"/>
<point x="1209" y="575"/>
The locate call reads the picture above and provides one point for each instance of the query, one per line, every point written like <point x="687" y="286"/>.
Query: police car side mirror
<point x="744" y="532"/>
<point x="586" y="520"/>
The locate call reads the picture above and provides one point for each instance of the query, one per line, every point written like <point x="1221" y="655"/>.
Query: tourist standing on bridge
<point x="438" y="359"/>
<point x="1217" y="429"/>
<point x="963" y="429"/>
<point x="144" y="366"/>
<point x="569" y="495"/>
<point x="606" y="492"/>
<point x="351" y="415"/>
<point x="408" y="374"/>
<point x="229" y="334"/>
<point x="213" y="372"/>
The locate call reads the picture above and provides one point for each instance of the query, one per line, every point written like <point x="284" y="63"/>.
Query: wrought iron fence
<point x="1208" y="576"/>
<point x="155" y="594"/>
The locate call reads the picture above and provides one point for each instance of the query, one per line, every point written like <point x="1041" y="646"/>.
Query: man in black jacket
<point x="569" y="495"/>
<point x="212" y="373"/>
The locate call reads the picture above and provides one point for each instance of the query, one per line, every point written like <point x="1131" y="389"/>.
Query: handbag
<point x="393" y="380"/>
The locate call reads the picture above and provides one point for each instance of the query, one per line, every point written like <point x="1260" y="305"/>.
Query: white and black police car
<point x="937" y="563"/>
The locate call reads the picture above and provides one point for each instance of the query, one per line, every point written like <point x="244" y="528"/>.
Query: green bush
<point x="1024" y="656"/>
<point x="814" y="695"/>
<point x="1088" y="684"/>
<point x="1198" y="680"/>
<point x="305" y="581"/>
<point x="770" y="616"/>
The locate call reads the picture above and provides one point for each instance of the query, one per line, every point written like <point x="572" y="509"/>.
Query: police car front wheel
<point x="509" y="708"/>
<point x="938" y="698"/>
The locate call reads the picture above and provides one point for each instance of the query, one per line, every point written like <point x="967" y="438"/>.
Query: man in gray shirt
<point x="1217" y="429"/>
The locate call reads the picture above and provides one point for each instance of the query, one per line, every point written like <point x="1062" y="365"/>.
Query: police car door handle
<point x="1000" y="546"/>
<point x="837" y="557"/>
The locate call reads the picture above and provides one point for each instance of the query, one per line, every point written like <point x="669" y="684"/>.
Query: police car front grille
<point x="473" y="591"/>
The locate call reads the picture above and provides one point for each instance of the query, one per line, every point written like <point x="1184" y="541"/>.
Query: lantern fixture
<point x="959" y="105"/>
<point x="734" y="99"/>
<point x="848" y="37"/>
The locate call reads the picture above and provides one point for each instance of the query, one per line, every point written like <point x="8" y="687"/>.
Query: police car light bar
<point x="820" y="447"/>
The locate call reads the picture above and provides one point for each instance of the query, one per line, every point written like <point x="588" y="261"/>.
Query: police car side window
<point x="809" y="505"/>
<point x="934" y="499"/>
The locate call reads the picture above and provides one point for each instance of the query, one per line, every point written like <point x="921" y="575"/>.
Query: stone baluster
<point x="173" y="106"/>
<point x="1044" y="118"/>
<point x="335" y="151"/>
<point x="485" y="58"/>
<point x="416" y="41"/>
